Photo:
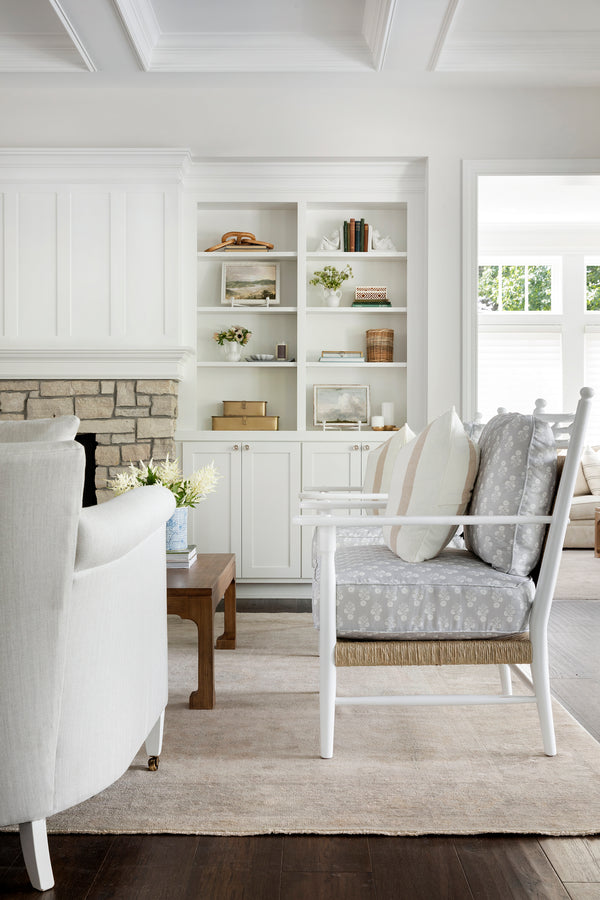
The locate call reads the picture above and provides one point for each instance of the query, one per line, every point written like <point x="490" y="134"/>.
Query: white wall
<point x="293" y="115"/>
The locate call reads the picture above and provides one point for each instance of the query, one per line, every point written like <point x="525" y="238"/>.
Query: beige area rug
<point x="251" y="765"/>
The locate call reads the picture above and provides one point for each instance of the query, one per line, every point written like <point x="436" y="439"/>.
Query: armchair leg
<point x="154" y="742"/>
<point x="543" y="699"/>
<point x="505" y="680"/>
<point x="34" y="844"/>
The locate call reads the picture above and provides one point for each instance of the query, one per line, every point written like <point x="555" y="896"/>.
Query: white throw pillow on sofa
<point x="590" y="462"/>
<point x="433" y="475"/>
<point x="380" y="463"/>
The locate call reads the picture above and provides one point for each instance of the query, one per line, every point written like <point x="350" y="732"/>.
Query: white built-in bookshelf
<point x="295" y="224"/>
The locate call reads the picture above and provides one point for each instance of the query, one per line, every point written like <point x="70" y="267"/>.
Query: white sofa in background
<point x="83" y="648"/>
<point x="580" y="530"/>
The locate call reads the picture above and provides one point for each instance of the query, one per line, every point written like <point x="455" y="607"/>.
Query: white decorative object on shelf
<point x="332" y="298"/>
<point x="387" y="411"/>
<point x="330" y="241"/>
<point x="381" y="242"/>
<point x="377" y="421"/>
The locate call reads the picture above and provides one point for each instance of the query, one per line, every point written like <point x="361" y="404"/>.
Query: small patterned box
<point x="370" y="293"/>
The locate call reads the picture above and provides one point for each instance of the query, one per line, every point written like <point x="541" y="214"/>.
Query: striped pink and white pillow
<point x="433" y="475"/>
<point x="380" y="463"/>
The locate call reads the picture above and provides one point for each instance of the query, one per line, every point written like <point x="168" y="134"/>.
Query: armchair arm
<point x="326" y="521"/>
<point x="110" y="530"/>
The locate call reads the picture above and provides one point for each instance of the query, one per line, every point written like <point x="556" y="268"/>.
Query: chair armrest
<point x="110" y="530"/>
<point x="324" y="498"/>
<point x="325" y="521"/>
<point x="322" y="489"/>
<point x="342" y="501"/>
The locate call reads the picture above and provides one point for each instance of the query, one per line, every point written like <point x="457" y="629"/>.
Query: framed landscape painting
<point x="341" y="404"/>
<point x="250" y="284"/>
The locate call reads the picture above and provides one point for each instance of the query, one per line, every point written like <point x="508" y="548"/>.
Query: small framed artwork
<point x="250" y="284"/>
<point x="281" y="352"/>
<point x="341" y="403"/>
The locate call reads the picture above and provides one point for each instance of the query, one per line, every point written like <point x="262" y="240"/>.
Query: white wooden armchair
<point x="520" y="639"/>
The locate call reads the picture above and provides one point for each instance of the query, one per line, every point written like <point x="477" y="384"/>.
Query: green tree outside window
<point x="504" y="288"/>
<point x="488" y="288"/>
<point x="592" y="285"/>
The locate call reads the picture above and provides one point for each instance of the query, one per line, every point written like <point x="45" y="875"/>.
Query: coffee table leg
<point x="204" y="697"/>
<point x="227" y="640"/>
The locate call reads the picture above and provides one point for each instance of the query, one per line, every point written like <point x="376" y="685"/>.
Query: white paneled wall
<point x="90" y="252"/>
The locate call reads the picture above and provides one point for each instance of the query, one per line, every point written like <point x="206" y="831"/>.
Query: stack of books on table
<point x="181" y="559"/>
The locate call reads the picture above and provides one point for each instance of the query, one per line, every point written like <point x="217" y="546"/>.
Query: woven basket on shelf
<point x="380" y="345"/>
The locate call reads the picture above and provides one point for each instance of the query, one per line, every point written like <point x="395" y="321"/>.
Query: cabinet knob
<point x="246" y="446"/>
<point x="366" y="447"/>
<point x="355" y="447"/>
<point x="236" y="446"/>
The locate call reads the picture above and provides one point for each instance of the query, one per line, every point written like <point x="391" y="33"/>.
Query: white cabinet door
<point x="215" y="525"/>
<point x="327" y="465"/>
<point x="270" y="486"/>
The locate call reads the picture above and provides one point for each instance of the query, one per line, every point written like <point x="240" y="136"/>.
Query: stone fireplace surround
<point x="132" y="419"/>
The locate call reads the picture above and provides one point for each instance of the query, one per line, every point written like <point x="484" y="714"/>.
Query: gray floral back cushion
<point x="517" y="475"/>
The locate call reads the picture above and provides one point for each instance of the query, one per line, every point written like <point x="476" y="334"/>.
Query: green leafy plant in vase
<point x="331" y="280"/>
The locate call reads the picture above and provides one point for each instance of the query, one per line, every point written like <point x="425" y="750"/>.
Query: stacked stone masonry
<point x="133" y="420"/>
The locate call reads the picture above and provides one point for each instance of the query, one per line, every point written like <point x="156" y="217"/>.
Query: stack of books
<point x="356" y="236"/>
<point x="181" y="559"/>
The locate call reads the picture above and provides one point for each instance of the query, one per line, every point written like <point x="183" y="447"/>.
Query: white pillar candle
<point x="377" y="421"/>
<point x="387" y="411"/>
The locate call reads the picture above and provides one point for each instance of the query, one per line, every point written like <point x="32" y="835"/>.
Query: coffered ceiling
<point x="521" y="41"/>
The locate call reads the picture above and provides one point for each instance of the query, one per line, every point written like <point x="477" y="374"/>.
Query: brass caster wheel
<point x="153" y="763"/>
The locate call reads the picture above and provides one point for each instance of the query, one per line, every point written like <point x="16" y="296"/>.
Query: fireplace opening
<point x="89" y="443"/>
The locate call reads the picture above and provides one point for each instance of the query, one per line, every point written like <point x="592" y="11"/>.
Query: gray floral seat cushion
<point x="349" y="537"/>
<point x="453" y="596"/>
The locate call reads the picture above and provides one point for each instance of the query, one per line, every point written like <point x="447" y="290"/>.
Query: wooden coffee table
<point x="194" y="594"/>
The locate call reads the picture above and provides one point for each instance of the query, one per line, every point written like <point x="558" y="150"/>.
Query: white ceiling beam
<point x="521" y="51"/>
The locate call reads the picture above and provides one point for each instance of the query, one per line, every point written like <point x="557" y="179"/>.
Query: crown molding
<point x="91" y="166"/>
<point x="372" y="179"/>
<point x="521" y="51"/>
<point x="442" y="35"/>
<point x="262" y="52"/>
<point x="377" y="26"/>
<point x="73" y="35"/>
<point x="159" y="51"/>
<point x="93" y="362"/>
<point x="41" y="53"/>
<point x="141" y="27"/>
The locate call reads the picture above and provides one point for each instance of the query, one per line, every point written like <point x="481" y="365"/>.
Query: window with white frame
<point x="538" y="332"/>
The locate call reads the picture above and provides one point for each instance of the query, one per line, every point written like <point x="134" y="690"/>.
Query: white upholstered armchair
<point x="83" y="651"/>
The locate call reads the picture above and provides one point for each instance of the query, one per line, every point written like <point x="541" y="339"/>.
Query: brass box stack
<point x="245" y="415"/>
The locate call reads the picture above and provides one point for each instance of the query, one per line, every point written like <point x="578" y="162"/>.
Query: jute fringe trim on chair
<point x="433" y="653"/>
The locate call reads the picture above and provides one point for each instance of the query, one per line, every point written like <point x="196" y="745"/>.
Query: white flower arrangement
<point x="187" y="491"/>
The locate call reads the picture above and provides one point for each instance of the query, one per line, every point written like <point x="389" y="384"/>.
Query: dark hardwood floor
<point x="98" y="867"/>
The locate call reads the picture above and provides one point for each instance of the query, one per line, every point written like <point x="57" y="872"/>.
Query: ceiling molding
<point x="377" y="26"/>
<point x="73" y="35"/>
<point x="442" y="34"/>
<point x="40" y="53"/>
<point x="160" y="51"/>
<point x="521" y="51"/>
<point x="142" y="28"/>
